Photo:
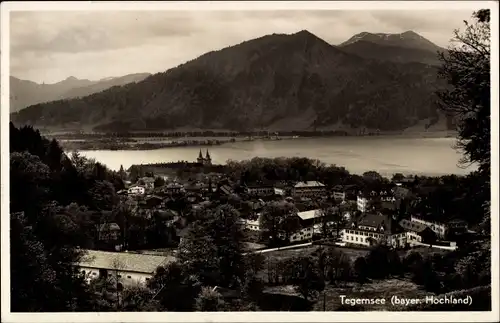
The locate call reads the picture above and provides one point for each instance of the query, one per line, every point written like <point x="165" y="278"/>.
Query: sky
<point x="98" y="44"/>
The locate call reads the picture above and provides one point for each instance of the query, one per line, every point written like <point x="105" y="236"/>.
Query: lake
<point x="386" y="155"/>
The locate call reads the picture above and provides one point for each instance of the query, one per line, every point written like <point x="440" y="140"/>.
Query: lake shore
<point x="152" y="141"/>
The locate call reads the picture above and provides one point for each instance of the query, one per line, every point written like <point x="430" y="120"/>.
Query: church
<point x="207" y="160"/>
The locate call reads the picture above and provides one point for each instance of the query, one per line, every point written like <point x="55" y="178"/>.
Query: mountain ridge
<point x="24" y="93"/>
<point x="291" y="80"/>
<point x="407" y="39"/>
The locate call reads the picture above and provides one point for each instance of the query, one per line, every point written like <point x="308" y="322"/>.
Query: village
<point x="344" y="216"/>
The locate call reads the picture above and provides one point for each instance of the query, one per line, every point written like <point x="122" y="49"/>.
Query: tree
<point x="372" y="176"/>
<point x="117" y="265"/>
<point x="159" y="182"/>
<point x="122" y="173"/>
<point x="43" y="278"/>
<point x="397" y="177"/>
<point x="361" y="269"/>
<point x="333" y="264"/>
<point x="29" y="183"/>
<point x="103" y="195"/>
<point x="329" y="215"/>
<point x="303" y="273"/>
<point x="466" y="68"/>
<point x="139" y="299"/>
<point x="278" y="216"/>
<point x="213" y="248"/>
<point x="209" y="301"/>
<point x="378" y="261"/>
<point x="173" y="288"/>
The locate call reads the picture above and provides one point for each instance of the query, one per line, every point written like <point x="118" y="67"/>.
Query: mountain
<point x="402" y="48"/>
<point x="26" y="93"/>
<point x="408" y="39"/>
<point x="276" y="82"/>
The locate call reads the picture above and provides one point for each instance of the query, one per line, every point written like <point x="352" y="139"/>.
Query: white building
<point x="365" y="199"/>
<point x="310" y="215"/>
<point x="262" y="190"/>
<point x="373" y="228"/>
<point x="128" y="268"/>
<point x="338" y="193"/>
<point x="362" y="203"/>
<point x="252" y="225"/>
<point x="137" y="190"/>
<point x="308" y="189"/>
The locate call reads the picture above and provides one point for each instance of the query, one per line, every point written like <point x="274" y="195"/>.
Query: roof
<point x="248" y="222"/>
<point x="148" y="179"/>
<point x="309" y="184"/>
<point x="134" y="262"/>
<point x="279" y="191"/>
<point x="257" y="186"/>
<point x="380" y="220"/>
<point x="109" y="226"/>
<point x="412" y="226"/>
<point x="389" y="205"/>
<point x="226" y="189"/>
<point x="307" y="215"/>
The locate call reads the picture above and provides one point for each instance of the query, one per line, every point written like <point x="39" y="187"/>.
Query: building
<point x="207" y="160"/>
<point x="338" y="193"/>
<point x="308" y="189"/>
<point x="253" y="225"/>
<point x="108" y="232"/>
<point x="375" y="228"/>
<point x="226" y="190"/>
<point x="417" y="232"/>
<point x="303" y="234"/>
<point x="368" y="200"/>
<point x="457" y="227"/>
<point x="260" y="190"/>
<point x="441" y="229"/>
<point x="173" y="188"/>
<point x="128" y="268"/>
<point x="312" y="217"/>
<point x="137" y="190"/>
<point x="362" y="203"/>
<point x="147" y="182"/>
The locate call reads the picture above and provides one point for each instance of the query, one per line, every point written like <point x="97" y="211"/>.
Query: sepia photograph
<point x="249" y="161"/>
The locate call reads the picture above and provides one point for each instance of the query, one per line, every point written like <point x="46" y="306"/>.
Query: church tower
<point x="200" y="158"/>
<point x="208" y="159"/>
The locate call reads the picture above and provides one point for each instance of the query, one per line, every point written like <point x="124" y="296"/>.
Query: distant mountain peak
<point x="71" y="78"/>
<point x="305" y="32"/>
<point x="407" y="39"/>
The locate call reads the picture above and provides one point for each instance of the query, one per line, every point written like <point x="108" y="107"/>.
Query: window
<point x="94" y="274"/>
<point x="356" y="238"/>
<point x="129" y="277"/>
<point x="147" y="279"/>
<point x="119" y="276"/>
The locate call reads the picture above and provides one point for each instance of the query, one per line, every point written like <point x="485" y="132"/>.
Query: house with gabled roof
<point x="418" y="232"/>
<point x="127" y="267"/>
<point x="308" y="189"/>
<point x="372" y="228"/>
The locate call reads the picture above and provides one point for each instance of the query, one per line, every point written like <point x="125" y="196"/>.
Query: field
<point x="330" y="300"/>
